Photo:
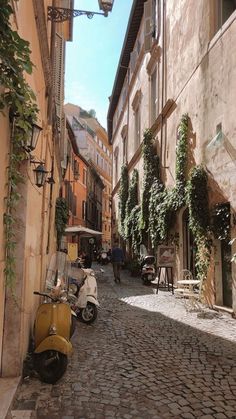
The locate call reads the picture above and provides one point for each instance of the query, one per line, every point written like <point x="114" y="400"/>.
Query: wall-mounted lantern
<point x="106" y="5"/>
<point x="40" y="174"/>
<point x="33" y="138"/>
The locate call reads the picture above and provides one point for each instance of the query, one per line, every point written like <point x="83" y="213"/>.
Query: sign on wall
<point x="72" y="251"/>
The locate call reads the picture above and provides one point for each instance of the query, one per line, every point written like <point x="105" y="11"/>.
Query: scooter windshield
<point x="57" y="271"/>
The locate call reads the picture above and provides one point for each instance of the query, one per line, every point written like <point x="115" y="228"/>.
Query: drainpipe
<point x="128" y="103"/>
<point x="52" y="57"/>
<point x="163" y="77"/>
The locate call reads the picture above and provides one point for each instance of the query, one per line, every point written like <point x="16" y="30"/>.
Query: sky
<point x="93" y="55"/>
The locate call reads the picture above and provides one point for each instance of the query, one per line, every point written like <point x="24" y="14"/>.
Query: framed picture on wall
<point x="165" y="256"/>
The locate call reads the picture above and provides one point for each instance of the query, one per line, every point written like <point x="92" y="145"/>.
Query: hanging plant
<point x="199" y="218"/>
<point x="221" y="221"/>
<point x="19" y="98"/>
<point x="163" y="202"/>
<point x="157" y="197"/>
<point x="151" y="172"/>
<point x="178" y="196"/>
<point x="135" y="231"/>
<point x="123" y="197"/>
<point x="132" y="201"/>
<point x="61" y="219"/>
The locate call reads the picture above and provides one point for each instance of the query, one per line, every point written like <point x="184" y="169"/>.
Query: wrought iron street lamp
<point x="61" y="14"/>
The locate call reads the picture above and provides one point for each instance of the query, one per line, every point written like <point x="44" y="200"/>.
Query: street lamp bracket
<point x="61" y="14"/>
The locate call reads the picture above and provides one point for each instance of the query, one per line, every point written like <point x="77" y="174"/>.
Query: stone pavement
<point x="145" y="357"/>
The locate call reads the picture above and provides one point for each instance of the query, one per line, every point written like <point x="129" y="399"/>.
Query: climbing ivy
<point x="177" y="198"/>
<point x="221" y="221"/>
<point x="199" y="218"/>
<point x="135" y="231"/>
<point x="163" y="202"/>
<point x="16" y="96"/>
<point x="151" y="172"/>
<point x="61" y="219"/>
<point x="123" y="197"/>
<point x="132" y="201"/>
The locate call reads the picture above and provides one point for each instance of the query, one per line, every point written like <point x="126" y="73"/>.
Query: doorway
<point x="189" y="247"/>
<point x="226" y="273"/>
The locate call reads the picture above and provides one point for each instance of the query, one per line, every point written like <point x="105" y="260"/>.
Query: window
<point x="223" y="10"/>
<point x="153" y="109"/>
<point x="137" y="126"/>
<point x="76" y="169"/>
<point x="84" y="176"/>
<point x="84" y="210"/>
<point x="116" y="153"/>
<point x="124" y="149"/>
<point x="137" y="123"/>
<point x="124" y="133"/>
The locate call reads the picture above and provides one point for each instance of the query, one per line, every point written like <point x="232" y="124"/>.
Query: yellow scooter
<point x="54" y="325"/>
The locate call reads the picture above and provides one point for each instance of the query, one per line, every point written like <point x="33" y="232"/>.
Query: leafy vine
<point x="123" y="197"/>
<point x="199" y="218"/>
<point x="61" y="218"/>
<point x="17" y="97"/>
<point x="163" y="202"/>
<point x="132" y="201"/>
<point x="135" y="231"/>
<point x="221" y="221"/>
<point x="151" y="172"/>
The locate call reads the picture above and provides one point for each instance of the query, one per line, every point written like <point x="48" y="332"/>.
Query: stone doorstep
<point x="8" y="387"/>
<point x="22" y="414"/>
<point x="224" y="309"/>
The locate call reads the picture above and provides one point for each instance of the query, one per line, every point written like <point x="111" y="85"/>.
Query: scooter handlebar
<point x="44" y="295"/>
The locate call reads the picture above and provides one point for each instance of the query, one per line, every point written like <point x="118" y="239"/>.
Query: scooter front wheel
<point x="50" y="365"/>
<point x="89" y="313"/>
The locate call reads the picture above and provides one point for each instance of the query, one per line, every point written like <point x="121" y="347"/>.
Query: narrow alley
<point x="144" y="357"/>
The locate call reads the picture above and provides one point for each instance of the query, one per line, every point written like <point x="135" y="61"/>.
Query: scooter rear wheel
<point x="89" y="313"/>
<point x="50" y="365"/>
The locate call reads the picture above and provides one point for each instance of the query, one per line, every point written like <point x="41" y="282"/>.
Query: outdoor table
<point x="188" y="284"/>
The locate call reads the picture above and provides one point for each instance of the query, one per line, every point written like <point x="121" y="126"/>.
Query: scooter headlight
<point x="53" y="330"/>
<point x="72" y="288"/>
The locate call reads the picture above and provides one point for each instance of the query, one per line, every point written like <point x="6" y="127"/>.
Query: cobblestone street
<point x="144" y="357"/>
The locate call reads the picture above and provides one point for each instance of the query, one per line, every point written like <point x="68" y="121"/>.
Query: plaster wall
<point x="3" y="193"/>
<point x="197" y="70"/>
<point x="202" y="83"/>
<point x="35" y="230"/>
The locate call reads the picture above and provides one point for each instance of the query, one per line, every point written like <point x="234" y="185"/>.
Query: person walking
<point x="117" y="259"/>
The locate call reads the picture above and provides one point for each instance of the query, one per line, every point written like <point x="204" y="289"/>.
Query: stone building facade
<point x="177" y="59"/>
<point x="35" y="233"/>
<point x="93" y="144"/>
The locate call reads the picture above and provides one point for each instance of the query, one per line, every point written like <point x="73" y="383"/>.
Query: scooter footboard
<point x="54" y="342"/>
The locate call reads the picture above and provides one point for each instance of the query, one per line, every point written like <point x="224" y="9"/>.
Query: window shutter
<point x="157" y="19"/>
<point x="58" y="77"/>
<point x="133" y="60"/>
<point x="148" y="25"/>
<point x="63" y="141"/>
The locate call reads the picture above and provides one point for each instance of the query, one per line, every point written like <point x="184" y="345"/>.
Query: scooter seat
<point x="77" y="273"/>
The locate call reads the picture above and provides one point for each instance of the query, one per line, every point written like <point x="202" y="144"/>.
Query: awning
<point x="83" y="231"/>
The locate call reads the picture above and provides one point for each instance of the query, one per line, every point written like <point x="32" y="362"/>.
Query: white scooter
<point x="83" y="294"/>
